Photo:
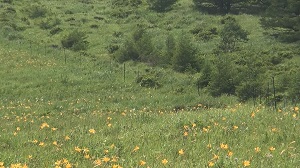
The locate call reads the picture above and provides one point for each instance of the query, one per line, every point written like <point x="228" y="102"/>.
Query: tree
<point x="283" y="15"/>
<point x="76" y="40"/>
<point x="161" y="5"/>
<point x="223" y="77"/>
<point x="222" y="6"/>
<point x="184" y="56"/>
<point x="231" y="33"/>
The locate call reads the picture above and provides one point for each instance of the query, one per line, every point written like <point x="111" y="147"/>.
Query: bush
<point x="36" y="11"/>
<point x="161" y="5"/>
<point x="49" y="23"/>
<point x="122" y="3"/>
<point x="184" y="56"/>
<point x="76" y="41"/>
<point x="138" y="47"/>
<point x="150" y="79"/>
<point x="231" y="33"/>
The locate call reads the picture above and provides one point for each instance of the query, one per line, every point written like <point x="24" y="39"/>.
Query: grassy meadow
<point x="60" y="108"/>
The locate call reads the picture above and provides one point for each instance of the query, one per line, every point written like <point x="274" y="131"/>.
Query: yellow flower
<point x="211" y="164"/>
<point x="296" y="108"/>
<point x="208" y="146"/>
<point x="68" y="165"/>
<point x="194" y="125"/>
<point x="106" y="159"/>
<point x="77" y="149"/>
<point x="92" y="131"/>
<point x="216" y="157"/>
<point x="204" y="129"/>
<point x="223" y="146"/>
<point x="229" y="153"/>
<point x="67" y="138"/>
<point x="58" y="163"/>
<point x="186" y="127"/>
<point x="257" y="149"/>
<point x="252" y="115"/>
<point x="29" y="156"/>
<point x="1" y="163"/>
<point x="181" y="152"/>
<point x="18" y="129"/>
<point x="295" y="115"/>
<point x="116" y="166"/>
<point x="54" y="143"/>
<point x="109" y="118"/>
<point x="235" y="127"/>
<point x="185" y="133"/>
<point x="41" y="144"/>
<point x="112" y="146"/>
<point x="97" y="162"/>
<point x="164" y="161"/>
<point x="224" y="118"/>
<point x="53" y="129"/>
<point x="246" y="163"/>
<point x="44" y="125"/>
<point x="271" y="148"/>
<point x="87" y="156"/>
<point x="142" y="163"/>
<point x="114" y="159"/>
<point x="274" y="129"/>
<point x="85" y="150"/>
<point x="106" y="151"/>
<point x="136" y="148"/>
<point x="109" y="124"/>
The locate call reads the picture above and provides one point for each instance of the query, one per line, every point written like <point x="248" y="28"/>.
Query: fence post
<point x="65" y="56"/>
<point x="124" y="72"/>
<point x="274" y="93"/>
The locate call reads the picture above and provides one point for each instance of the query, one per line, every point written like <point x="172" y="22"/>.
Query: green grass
<point x="158" y="134"/>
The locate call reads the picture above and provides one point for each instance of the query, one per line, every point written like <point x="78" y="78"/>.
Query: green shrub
<point x="138" y="47"/>
<point x="49" y="23"/>
<point x="36" y="11"/>
<point x="76" y="41"/>
<point x="150" y="79"/>
<point x="161" y="5"/>
<point x="122" y="3"/>
<point x="55" y="30"/>
<point x="231" y="34"/>
<point x="184" y="58"/>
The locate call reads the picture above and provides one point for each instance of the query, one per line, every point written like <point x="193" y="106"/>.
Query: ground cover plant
<point x="131" y="83"/>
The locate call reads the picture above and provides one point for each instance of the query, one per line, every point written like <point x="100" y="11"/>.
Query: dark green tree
<point x="223" y="77"/>
<point x="161" y="5"/>
<point x="283" y="15"/>
<point x="231" y="33"/>
<point x="223" y="6"/>
<point x="184" y="56"/>
<point x="76" y="40"/>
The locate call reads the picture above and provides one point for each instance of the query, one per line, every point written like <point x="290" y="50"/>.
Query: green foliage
<point x="7" y="1"/>
<point x="36" y="11"/>
<point x="76" y="40"/>
<point x="231" y="33"/>
<point x="206" y="73"/>
<point x="138" y="47"/>
<point x="49" y="23"/>
<point x="123" y="3"/>
<point x="161" y="5"/>
<point x="184" y="57"/>
<point x="223" y="6"/>
<point x="284" y="14"/>
<point x="150" y="79"/>
<point x="224" y="77"/>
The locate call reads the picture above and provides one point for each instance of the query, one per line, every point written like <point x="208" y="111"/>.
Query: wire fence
<point x="127" y="73"/>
